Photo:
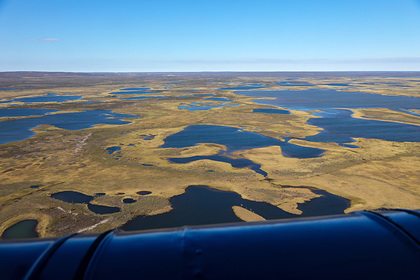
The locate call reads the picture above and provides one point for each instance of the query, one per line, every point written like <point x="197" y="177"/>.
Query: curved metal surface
<point x="361" y="245"/>
<point x="38" y="266"/>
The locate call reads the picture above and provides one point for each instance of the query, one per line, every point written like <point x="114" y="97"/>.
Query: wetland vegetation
<point x="92" y="152"/>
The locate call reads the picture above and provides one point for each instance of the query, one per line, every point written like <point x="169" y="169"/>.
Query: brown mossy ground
<point x="378" y="174"/>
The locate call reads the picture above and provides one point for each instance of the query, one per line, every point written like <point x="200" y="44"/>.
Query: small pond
<point x="147" y="137"/>
<point x="272" y="111"/>
<point x="112" y="150"/>
<point x="143" y="192"/>
<point x="102" y="209"/>
<point x="72" y="197"/>
<point x="129" y="200"/>
<point x="22" y="229"/>
<point x="77" y="197"/>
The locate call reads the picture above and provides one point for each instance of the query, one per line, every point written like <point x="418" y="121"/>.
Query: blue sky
<point x="202" y="35"/>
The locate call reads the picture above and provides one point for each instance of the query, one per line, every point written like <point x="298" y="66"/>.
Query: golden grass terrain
<point x="378" y="174"/>
<point x="386" y="115"/>
<point x="246" y="215"/>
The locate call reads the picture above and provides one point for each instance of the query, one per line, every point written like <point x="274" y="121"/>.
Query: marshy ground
<point x="378" y="174"/>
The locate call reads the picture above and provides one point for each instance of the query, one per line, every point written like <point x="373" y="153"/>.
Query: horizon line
<point x="204" y="71"/>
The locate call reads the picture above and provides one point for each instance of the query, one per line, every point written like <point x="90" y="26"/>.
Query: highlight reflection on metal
<point x="361" y="245"/>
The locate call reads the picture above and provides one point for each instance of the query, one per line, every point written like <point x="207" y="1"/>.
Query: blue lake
<point x="272" y="111"/>
<point x="338" y="125"/>
<point x="24" y="112"/>
<point x="234" y="139"/>
<point x="343" y="130"/>
<point x="334" y="113"/>
<point x="221" y="157"/>
<point x="16" y="130"/>
<point x="201" y="205"/>
<point x="318" y="99"/>
<point x="326" y="204"/>
<point x="52" y="97"/>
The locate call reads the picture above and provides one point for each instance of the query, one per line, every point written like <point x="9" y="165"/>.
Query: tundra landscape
<point x="88" y="152"/>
